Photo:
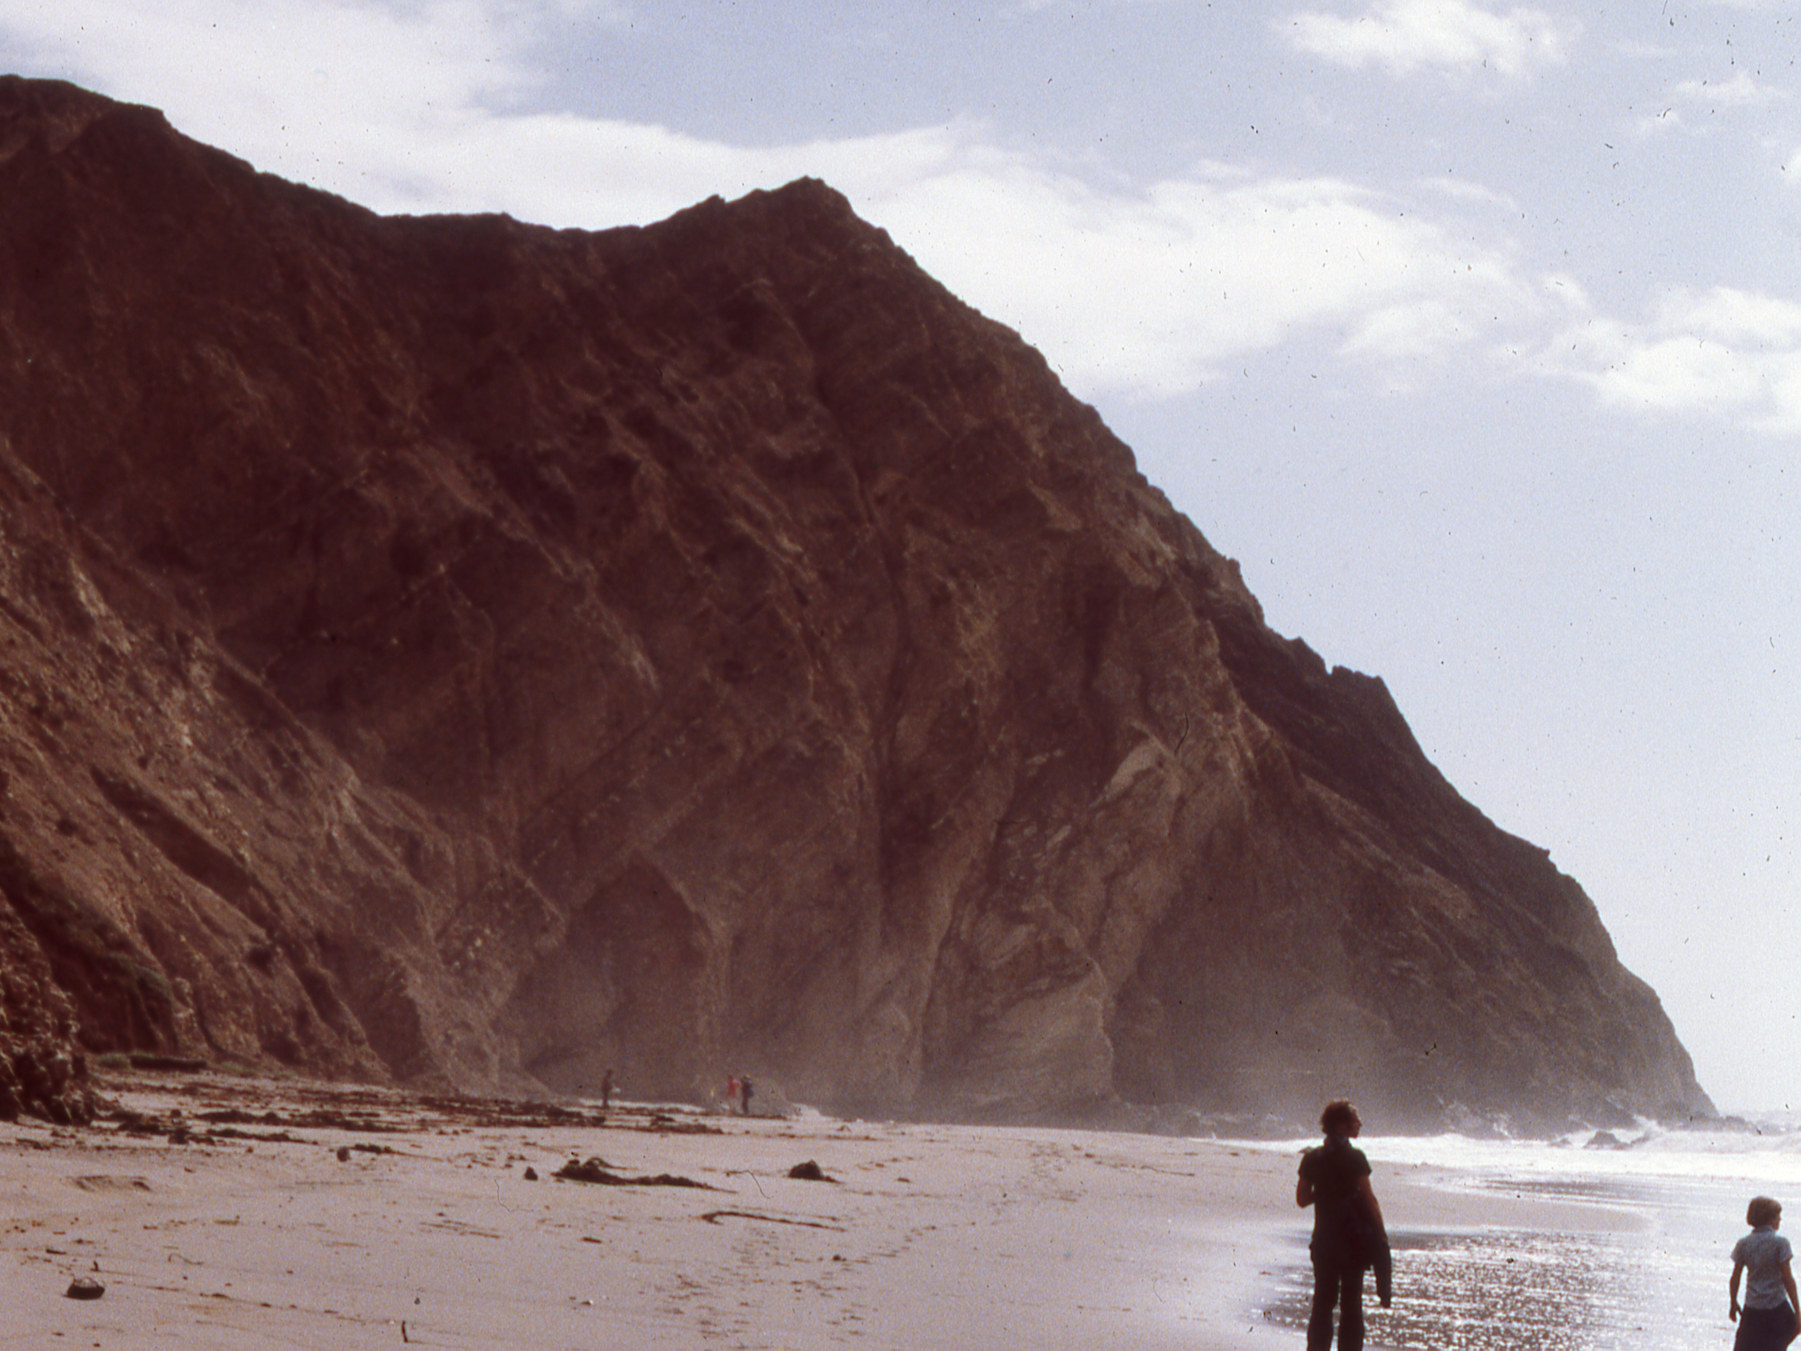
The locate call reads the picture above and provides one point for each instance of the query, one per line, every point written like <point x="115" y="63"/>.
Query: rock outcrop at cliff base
<point x="455" y="651"/>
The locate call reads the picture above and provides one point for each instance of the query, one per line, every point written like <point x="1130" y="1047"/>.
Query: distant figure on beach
<point x="732" y="1098"/>
<point x="1770" y="1319"/>
<point x="606" y="1090"/>
<point x="1348" y="1234"/>
<point x="744" y="1089"/>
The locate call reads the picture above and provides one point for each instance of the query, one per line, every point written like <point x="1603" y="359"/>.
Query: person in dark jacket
<point x="1348" y="1234"/>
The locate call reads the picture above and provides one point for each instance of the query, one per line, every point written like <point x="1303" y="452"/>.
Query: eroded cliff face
<point x="455" y="650"/>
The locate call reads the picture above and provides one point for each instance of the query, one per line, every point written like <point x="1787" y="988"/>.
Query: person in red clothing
<point x="1348" y="1234"/>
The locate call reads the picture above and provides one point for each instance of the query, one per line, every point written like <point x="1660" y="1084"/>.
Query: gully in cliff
<point x="1348" y="1234"/>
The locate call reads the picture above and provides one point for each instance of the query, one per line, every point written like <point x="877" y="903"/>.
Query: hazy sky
<point x="1472" y="329"/>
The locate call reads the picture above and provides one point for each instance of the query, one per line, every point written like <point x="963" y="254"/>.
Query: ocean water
<point x="1658" y="1286"/>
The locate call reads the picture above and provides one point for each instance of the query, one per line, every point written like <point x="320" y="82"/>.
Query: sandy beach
<point x="243" y="1212"/>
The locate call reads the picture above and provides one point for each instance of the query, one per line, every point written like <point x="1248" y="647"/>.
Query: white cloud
<point x="1460" y="190"/>
<point x="303" y="82"/>
<point x="1153" y="292"/>
<point x="293" y="56"/>
<point x="1741" y="91"/>
<point x="1741" y="318"/>
<point x="1710" y="97"/>
<point x="1407" y="35"/>
<point x="402" y="107"/>
<point x="1724" y="352"/>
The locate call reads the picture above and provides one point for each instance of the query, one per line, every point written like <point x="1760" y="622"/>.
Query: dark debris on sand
<point x="222" y="1105"/>
<point x="216" y="1108"/>
<point x="598" y="1171"/>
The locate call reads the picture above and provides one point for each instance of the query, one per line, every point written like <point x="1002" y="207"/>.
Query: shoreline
<point x="225" y="1212"/>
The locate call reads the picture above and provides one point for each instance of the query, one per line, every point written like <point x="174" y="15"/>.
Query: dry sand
<point x="246" y="1229"/>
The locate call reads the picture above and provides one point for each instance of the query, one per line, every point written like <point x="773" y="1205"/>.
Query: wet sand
<point x="1586" y="1260"/>
<point x="219" y="1213"/>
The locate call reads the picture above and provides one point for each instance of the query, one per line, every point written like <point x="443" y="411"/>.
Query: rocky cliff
<point x="475" y="654"/>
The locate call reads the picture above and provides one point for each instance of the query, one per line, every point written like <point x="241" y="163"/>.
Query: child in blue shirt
<point x="1770" y="1320"/>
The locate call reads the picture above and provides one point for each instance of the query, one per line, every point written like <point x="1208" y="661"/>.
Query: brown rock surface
<point x="465" y="652"/>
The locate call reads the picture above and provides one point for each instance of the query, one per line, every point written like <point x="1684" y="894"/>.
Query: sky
<point x="1472" y="329"/>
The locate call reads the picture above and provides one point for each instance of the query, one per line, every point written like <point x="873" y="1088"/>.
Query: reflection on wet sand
<point x="1505" y="1289"/>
